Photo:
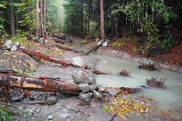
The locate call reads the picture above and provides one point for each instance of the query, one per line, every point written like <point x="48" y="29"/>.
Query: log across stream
<point x="168" y="98"/>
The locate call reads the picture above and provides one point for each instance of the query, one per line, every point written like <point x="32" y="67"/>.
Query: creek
<point x="168" y="98"/>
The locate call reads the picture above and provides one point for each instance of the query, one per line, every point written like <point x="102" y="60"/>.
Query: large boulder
<point x="81" y="77"/>
<point x="84" y="87"/>
<point x="85" y="97"/>
<point x="91" y="80"/>
<point x="78" y="62"/>
<point x="8" y="44"/>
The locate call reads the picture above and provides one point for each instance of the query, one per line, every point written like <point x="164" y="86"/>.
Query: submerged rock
<point x="84" y="87"/>
<point x="112" y="91"/>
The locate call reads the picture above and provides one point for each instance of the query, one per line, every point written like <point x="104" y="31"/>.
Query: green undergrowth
<point x="5" y="112"/>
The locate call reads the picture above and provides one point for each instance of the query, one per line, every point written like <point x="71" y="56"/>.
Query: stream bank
<point x="70" y="108"/>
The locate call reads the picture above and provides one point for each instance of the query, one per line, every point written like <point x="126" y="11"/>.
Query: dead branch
<point x="124" y="73"/>
<point x="114" y="116"/>
<point x="46" y="57"/>
<point x="150" y="67"/>
<point x="153" y="82"/>
<point x="94" y="71"/>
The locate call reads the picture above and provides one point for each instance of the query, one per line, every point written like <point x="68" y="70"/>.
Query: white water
<point x="168" y="98"/>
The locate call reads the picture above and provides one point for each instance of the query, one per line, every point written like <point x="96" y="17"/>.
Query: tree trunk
<point x="81" y="2"/>
<point x="37" y="20"/>
<point x="44" y="35"/>
<point x="46" y="57"/>
<point x="41" y="19"/>
<point x="16" y="19"/>
<point x="42" y="84"/>
<point x="12" y="19"/>
<point x="102" y="19"/>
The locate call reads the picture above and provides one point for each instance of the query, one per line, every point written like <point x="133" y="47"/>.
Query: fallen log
<point x="59" y="40"/>
<point x="66" y="48"/>
<point x="39" y="84"/>
<point x="59" y="36"/>
<point x="7" y="72"/>
<point x="46" y="57"/>
<point x="94" y="48"/>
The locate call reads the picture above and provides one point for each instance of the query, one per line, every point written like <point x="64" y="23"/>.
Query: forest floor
<point x="70" y="108"/>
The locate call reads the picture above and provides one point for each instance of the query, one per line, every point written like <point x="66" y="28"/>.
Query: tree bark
<point x="37" y="20"/>
<point x="102" y="19"/>
<point x="81" y="5"/>
<point x="46" y="57"/>
<point x="42" y="84"/>
<point x="41" y="19"/>
<point x="12" y="19"/>
<point x="44" y="35"/>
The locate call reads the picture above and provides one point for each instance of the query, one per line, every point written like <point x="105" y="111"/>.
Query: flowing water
<point x="168" y="98"/>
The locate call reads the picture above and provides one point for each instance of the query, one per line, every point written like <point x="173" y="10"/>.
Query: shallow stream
<point x="168" y="98"/>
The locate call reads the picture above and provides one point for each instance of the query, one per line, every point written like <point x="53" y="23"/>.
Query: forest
<point x="81" y="59"/>
<point x="157" y="22"/>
